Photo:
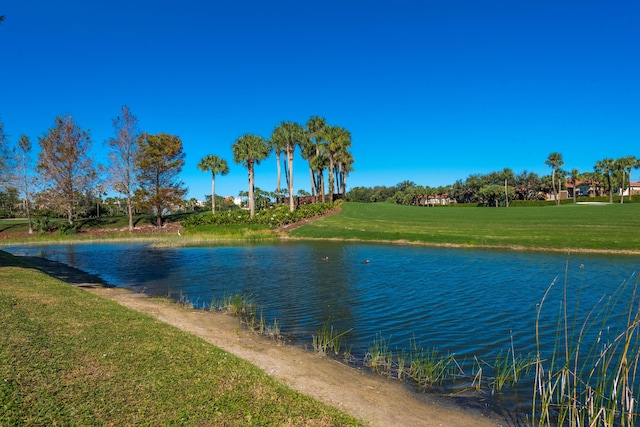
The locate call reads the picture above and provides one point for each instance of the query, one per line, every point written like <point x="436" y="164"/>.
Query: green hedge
<point x="274" y="217"/>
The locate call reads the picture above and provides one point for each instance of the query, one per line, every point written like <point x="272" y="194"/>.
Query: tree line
<point x="144" y="168"/>
<point x="608" y="177"/>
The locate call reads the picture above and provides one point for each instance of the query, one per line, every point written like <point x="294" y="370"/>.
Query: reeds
<point x="588" y="382"/>
<point x="242" y="306"/>
<point x="328" y="340"/>
<point x="429" y="367"/>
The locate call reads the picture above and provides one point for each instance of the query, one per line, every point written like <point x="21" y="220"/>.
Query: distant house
<point x="236" y="200"/>
<point x="438" y="199"/>
<point x="633" y="188"/>
<point x="582" y="188"/>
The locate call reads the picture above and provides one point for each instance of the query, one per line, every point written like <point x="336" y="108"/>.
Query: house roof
<point x="569" y="183"/>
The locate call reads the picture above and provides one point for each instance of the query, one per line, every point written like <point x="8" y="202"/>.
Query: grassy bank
<point x="592" y="227"/>
<point x="69" y="357"/>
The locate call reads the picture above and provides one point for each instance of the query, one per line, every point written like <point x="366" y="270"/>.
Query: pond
<point x="472" y="304"/>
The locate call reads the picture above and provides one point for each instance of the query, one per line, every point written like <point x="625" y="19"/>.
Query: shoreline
<point x="165" y="240"/>
<point x="377" y="401"/>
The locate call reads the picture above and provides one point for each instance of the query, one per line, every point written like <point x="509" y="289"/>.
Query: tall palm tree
<point x="217" y="166"/>
<point x="344" y="162"/>
<point x="307" y="149"/>
<point x="250" y="150"/>
<point x="606" y="168"/>
<point x="337" y="138"/>
<point x="575" y="175"/>
<point x="278" y="147"/>
<point x="625" y="164"/>
<point x="288" y="135"/>
<point x="554" y="161"/>
<point x="315" y="129"/>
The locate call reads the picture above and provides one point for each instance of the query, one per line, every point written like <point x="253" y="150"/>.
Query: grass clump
<point x="243" y="306"/>
<point x="328" y="340"/>
<point x="69" y="357"/>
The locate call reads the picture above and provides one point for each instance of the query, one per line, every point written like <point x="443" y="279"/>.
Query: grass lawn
<point x="69" y="357"/>
<point x="607" y="227"/>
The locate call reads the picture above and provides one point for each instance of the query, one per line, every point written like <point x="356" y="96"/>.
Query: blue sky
<point x="432" y="91"/>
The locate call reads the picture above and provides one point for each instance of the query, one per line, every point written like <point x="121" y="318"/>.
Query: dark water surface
<point x="462" y="301"/>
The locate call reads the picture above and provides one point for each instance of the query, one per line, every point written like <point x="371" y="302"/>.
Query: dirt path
<point x="375" y="400"/>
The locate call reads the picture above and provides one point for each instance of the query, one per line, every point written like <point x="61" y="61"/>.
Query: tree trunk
<point x="279" y="173"/>
<point x="313" y="182"/>
<point x="506" y="194"/>
<point x="290" y="180"/>
<point x="252" y="202"/>
<point x="330" y="179"/>
<point x="321" y="179"/>
<point x="26" y="197"/>
<point x="130" y="212"/>
<point x="213" y="193"/>
<point x="553" y="186"/>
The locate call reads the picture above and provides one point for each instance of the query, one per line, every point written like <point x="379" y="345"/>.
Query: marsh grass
<point x="508" y="369"/>
<point x="590" y="381"/>
<point x="243" y="307"/>
<point x="328" y="340"/>
<point x="379" y="358"/>
<point x="429" y="367"/>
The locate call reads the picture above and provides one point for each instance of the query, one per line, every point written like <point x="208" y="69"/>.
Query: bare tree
<point x="65" y="165"/>
<point x="124" y="150"/>
<point x="24" y="161"/>
<point x="5" y="159"/>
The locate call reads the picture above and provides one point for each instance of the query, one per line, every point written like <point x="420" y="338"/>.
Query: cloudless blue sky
<point x="432" y="91"/>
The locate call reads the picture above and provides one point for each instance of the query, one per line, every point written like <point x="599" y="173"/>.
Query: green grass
<point x="69" y="357"/>
<point x="604" y="227"/>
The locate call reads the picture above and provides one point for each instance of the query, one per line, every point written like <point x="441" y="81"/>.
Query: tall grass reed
<point x="328" y="339"/>
<point x="242" y="306"/>
<point x="588" y="381"/>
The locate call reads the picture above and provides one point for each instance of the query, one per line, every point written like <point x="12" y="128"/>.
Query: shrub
<point x="273" y="217"/>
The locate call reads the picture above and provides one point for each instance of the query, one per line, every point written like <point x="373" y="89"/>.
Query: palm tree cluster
<point x="325" y="147"/>
<point x="499" y="188"/>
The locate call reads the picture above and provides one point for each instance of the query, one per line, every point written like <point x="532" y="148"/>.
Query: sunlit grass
<point x="600" y="228"/>
<point x="69" y="357"/>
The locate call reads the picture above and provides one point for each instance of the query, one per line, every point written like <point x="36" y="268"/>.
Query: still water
<point x="471" y="303"/>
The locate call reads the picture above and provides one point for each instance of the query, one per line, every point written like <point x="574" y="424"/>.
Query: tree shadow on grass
<point x="55" y="269"/>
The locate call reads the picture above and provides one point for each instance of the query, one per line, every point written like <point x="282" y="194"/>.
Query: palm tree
<point x="625" y="164"/>
<point x="278" y="147"/>
<point x="315" y="130"/>
<point x="217" y="166"/>
<point x="307" y="150"/>
<point x="606" y="168"/>
<point x="249" y="150"/>
<point x="337" y="138"/>
<point x="554" y="161"/>
<point x="344" y="162"/>
<point x="575" y="175"/>
<point x="287" y="135"/>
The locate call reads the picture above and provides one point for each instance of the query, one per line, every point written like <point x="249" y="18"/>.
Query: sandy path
<point x="375" y="400"/>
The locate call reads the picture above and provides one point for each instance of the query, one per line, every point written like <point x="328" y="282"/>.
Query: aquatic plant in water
<point x="587" y="381"/>
<point x="328" y="339"/>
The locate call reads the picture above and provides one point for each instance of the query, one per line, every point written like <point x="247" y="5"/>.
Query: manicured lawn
<point x="598" y="227"/>
<point x="69" y="357"/>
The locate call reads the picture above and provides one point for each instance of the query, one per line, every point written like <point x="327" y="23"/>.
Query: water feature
<point x="461" y="301"/>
